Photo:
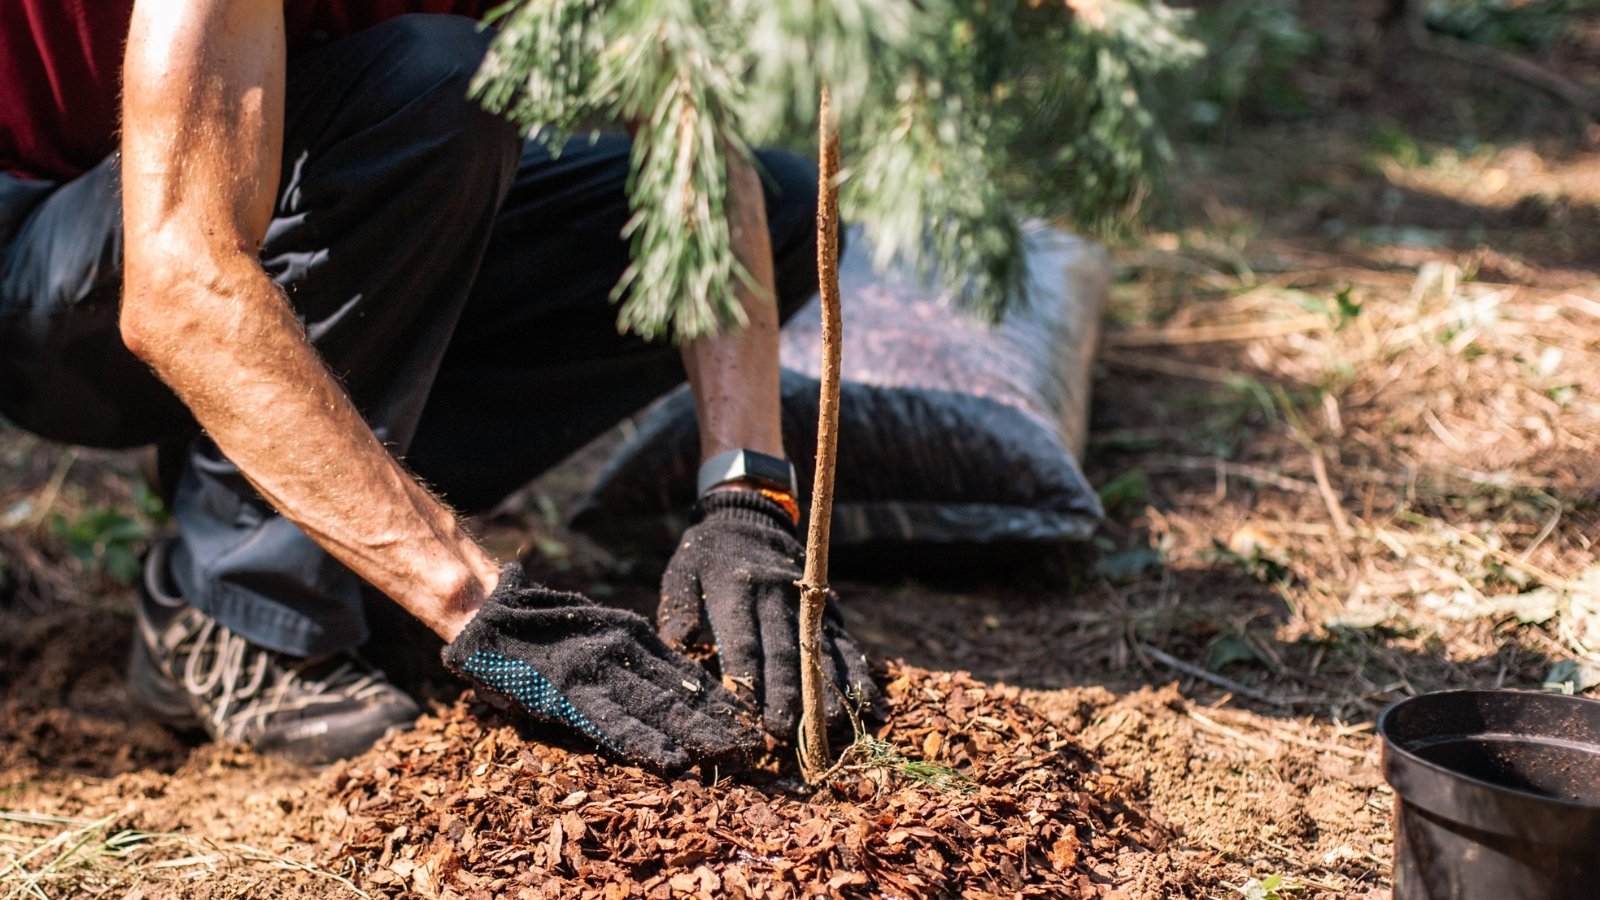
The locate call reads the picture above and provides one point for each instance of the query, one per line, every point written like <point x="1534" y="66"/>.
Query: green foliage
<point x="656" y="64"/>
<point x="1268" y="888"/>
<point x="1521" y="24"/>
<point x="1126" y="489"/>
<point x="1078" y="111"/>
<point x="1393" y="142"/>
<point x="1343" y="307"/>
<point x="955" y="116"/>
<point x="1227" y="650"/>
<point x="1254" y="560"/>
<point x="1128" y="565"/>
<point x="103" y="538"/>
<point x="1251" y="46"/>
<point x="880" y="754"/>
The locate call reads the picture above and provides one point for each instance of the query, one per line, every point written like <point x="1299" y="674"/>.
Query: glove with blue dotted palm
<point x="561" y="658"/>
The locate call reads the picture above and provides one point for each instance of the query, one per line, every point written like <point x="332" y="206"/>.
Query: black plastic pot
<point x="1498" y="795"/>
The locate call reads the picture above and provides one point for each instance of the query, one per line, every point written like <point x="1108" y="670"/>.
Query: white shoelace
<point x="238" y="672"/>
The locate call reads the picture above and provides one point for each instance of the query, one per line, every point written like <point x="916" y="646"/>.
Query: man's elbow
<point x="135" y="323"/>
<point x="145" y="327"/>
<point x="174" y="291"/>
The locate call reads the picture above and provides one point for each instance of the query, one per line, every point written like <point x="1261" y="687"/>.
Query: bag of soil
<point x="951" y="433"/>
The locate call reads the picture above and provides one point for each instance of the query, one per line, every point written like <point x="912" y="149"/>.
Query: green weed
<point x="103" y="538"/>
<point x="1393" y="142"/>
<point x="1127" y="489"/>
<point x="1268" y="888"/>
<point x="872" y="753"/>
<point x="1258" y="563"/>
<point x="1128" y="565"/>
<point x="1342" y="307"/>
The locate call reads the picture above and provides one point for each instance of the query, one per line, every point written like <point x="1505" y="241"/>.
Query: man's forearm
<point x="202" y="135"/>
<point x="290" y="428"/>
<point x="735" y="375"/>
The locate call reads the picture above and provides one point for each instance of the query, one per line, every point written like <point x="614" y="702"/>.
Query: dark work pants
<point x="453" y="277"/>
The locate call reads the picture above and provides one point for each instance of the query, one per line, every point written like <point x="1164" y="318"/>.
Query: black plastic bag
<point x="951" y="433"/>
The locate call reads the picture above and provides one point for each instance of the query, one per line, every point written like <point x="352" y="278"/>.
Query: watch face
<point x="747" y="465"/>
<point x="770" y="469"/>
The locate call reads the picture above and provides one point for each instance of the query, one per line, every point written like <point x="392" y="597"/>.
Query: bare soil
<point x="1349" y="396"/>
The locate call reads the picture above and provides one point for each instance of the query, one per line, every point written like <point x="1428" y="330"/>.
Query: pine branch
<point x="683" y="267"/>
<point x="961" y="114"/>
<point x="660" y="65"/>
<point x="542" y="63"/>
<point x="928" y="194"/>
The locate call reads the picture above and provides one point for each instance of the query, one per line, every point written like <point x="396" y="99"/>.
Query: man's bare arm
<point x="735" y="375"/>
<point x="202" y="135"/>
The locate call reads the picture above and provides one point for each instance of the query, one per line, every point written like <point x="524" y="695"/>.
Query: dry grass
<point x="46" y="856"/>
<point x="1411" y="451"/>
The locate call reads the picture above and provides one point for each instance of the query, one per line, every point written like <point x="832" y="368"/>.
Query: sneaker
<point x="194" y="673"/>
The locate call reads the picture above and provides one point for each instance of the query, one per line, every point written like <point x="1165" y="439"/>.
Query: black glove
<point x="736" y="567"/>
<point x="561" y="658"/>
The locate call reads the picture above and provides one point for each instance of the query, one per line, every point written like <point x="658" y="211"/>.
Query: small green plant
<point x="1257" y="562"/>
<point x="1268" y="888"/>
<point x="1343" y="308"/>
<point x="103" y="538"/>
<point x="869" y="752"/>
<point x="149" y="504"/>
<point x="1127" y="489"/>
<point x="1229" y="649"/>
<point x="1128" y="565"/>
<point x="1393" y="142"/>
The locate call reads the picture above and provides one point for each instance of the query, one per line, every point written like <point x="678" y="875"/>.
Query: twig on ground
<point x="1398" y="548"/>
<point x="1544" y="533"/>
<point x="52" y="488"/>
<point x="1289" y="737"/>
<point x="1216" y="334"/>
<point x="1546" y="577"/>
<point x="1319" y="470"/>
<point x="1258" y="474"/>
<point x="1164" y="366"/>
<point x="1221" y="681"/>
<point x="1256" y="744"/>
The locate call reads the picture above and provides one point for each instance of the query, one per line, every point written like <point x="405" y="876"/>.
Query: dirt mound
<point x="63" y="706"/>
<point x="997" y="803"/>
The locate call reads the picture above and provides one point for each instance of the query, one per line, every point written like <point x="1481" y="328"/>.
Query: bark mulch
<point x="967" y="792"/>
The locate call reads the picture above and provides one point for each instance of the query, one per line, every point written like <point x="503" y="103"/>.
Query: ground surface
<point x="1348" y="402"/>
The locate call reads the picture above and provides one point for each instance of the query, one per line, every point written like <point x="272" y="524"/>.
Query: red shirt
<point x="61" y="70"/>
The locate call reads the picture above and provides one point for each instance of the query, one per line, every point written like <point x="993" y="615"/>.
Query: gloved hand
<point x="737" y="567"/>
<point x="561" y="658"/>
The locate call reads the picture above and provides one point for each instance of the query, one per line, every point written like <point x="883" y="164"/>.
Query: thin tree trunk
<point x="815" y="758"/>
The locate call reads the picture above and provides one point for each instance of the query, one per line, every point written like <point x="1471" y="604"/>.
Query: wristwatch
<point x="747" y="465"/>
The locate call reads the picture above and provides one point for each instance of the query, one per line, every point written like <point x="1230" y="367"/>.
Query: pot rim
<point x="1428" y="769"/>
